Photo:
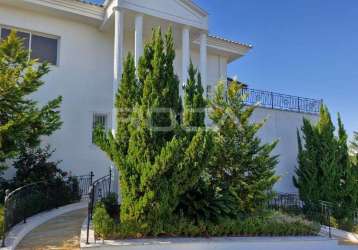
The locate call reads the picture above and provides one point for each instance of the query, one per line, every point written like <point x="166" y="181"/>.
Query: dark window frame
<point x="37" y="34"/>
<point x="104" y="117"/>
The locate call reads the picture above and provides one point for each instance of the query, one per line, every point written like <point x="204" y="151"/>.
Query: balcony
<point x="272" y="100"/>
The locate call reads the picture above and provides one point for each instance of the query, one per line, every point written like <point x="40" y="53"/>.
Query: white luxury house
<point x="86" y="44"/>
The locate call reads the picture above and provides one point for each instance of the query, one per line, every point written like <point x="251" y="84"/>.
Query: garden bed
<point x="270" y="223"/>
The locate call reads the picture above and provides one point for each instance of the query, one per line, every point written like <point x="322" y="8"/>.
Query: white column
<point x="186" y="54"/>
<point x="117" y="75"/>
<point x="203" y="58"/>
<point x="118" y="58"/>
<point x="138" y="38"/>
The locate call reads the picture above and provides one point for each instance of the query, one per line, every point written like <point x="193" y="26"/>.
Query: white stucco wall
<point x="84" y="79"/>
<point x="282" y="126"/>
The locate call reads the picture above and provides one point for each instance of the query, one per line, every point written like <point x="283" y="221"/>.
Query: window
<point x="99" y="120"/>
<point x="43" y="48"/>
<point x="25" y="37"/>
<point x="209" y="90"/>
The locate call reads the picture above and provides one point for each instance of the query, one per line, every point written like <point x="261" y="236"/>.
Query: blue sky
<point x="301" y="47"/>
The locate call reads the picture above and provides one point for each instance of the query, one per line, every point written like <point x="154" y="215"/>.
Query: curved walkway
<point x="62" y="232"/>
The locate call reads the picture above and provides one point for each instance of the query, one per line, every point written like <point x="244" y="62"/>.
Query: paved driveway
<point x="62" y="232"/>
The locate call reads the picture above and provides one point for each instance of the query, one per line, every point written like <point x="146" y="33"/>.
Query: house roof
<point x="90" y="3"/>
<point x="233" y="50"/>
<point x="189" y="3"/>
<point x="230" y="41"/>
<point x="95" y="13"/>
<point x="194" y="6"/>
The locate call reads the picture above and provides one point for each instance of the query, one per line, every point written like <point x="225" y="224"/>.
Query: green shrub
<point x="203" y="202"/>
<point x="103" y="224"/>
<point x="273" y="224"/>
<point x="34" y="165"/>
<point x="111" y="205"/>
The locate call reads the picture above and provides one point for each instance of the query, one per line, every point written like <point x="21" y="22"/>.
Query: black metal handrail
<point x="279" y="101"/>
<point x="37" y="197"/>
<point x="99" y="190"/>
<point x="320" y="211"/>
<point x="84" y="183"/>
<point x="286" y="201"/>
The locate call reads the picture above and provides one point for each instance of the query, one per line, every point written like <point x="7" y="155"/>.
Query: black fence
<point x="99" y="190"/>
<point x="34" y="198"/>
<point x="287" y="202"/>
<point x="273" y="100"/>
<point x="320" y="212"/>
<point x="84" y="183"/>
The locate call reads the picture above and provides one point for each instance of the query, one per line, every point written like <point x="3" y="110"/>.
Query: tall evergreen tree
<point x="194" y="103"/>
<point x="347" y="181"/>
<point x="354" y="146"/>
<point x="243" y="164"/>
<point x="325" y="172"/>
<point x="317" y="160"/>
<point x="127" y="97"/>
<point x="22" y="121"/>
<point x="306" y="179"/>
<point x="161" y="162"/>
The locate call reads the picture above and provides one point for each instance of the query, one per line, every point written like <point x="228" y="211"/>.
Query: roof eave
<point x="231" y="49"/>
<point x="195" y="7"/>
<point x="74" y="7"/>
<point x="189" y="3"/>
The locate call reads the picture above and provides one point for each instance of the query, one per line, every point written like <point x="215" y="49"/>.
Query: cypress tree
<point x="160" y="164"/>
<point x="306" y="179"/>
<point x="347" y="177"/>
<point x="317" y="171"/>
<point x="354" y="147"/>
<point x="325" y="172"/>
<point x="243" y="164"/>
<point x="194" y="103"/>
<point x="22" y="121"/>
<point x="127" y="97"/>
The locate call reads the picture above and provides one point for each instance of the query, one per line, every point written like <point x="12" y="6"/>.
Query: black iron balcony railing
<point x="273" y="100"/>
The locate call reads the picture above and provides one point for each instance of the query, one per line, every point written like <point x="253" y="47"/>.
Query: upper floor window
<point x="41" y="47"/>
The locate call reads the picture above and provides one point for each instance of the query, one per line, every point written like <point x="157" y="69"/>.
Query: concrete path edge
<point x="192" y="243"/>
<point x="18" y="232"/>
<point x="91" y="238"/>
<point x="341" y="234"/>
